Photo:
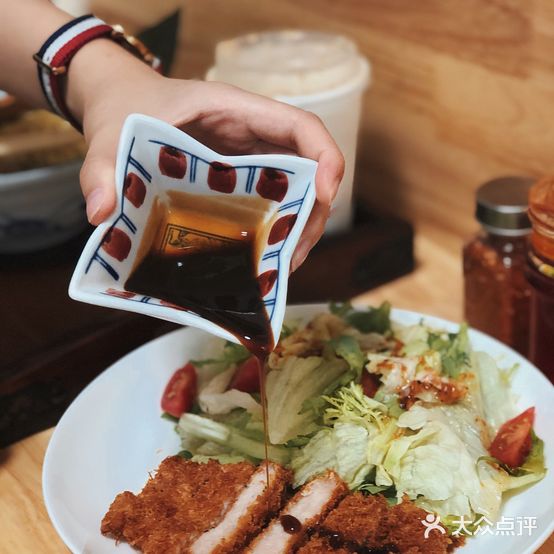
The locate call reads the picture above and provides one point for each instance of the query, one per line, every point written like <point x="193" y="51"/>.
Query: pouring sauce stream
<point x="205" y="261"/>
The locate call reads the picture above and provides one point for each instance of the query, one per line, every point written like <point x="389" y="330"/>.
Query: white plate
<point x="112" y="436"/>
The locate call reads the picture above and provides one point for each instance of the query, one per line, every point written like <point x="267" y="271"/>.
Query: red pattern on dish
<point x="272" y="184"/>
<point x="171" y="305"/>
<point x="266" y="281"/>
<point x="116" y="243"/>
<point x="281" y="229"/>
<point x="120" y="293"/>
<point x="134" y="189"/>
<point x="172" y="162"/>
<point x="222" y="177"/>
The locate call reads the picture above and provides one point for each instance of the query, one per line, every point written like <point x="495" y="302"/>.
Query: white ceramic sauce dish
<point x="154" y="158"/>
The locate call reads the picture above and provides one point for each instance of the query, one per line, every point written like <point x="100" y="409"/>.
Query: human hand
<point x="225" y="118"/>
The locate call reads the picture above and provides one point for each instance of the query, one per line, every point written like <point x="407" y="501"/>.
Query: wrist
<point x="99" y="70"/>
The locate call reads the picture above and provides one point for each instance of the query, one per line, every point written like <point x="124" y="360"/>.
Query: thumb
<point x="98" y="181"/>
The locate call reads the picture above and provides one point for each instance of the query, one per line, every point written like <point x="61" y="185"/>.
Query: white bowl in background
<point x="40" y="207"/>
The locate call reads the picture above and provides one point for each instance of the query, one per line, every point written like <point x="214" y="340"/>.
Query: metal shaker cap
<point x="502" y="205"/>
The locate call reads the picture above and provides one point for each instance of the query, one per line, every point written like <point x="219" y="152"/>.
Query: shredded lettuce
<point x="348" y="348"/>
<point x="229" y="437"/>
<point x="319" y="419"/>
<point x="289" y="387"/>
<point x="357" y="433"/>
<point x="438" y="465"/>
<point x="372" y="320"/>
<point x="494" y="394"/>
<point x="341" y="448"/>
<point x="433" y="464"/>
<point x="351" y="405"/>
<point x="231" y="354"/>
<point x="414" y="337"/>
<point x="454" y="349"/>
<point x="287" y="331"/>
<point x="214" y="398"/>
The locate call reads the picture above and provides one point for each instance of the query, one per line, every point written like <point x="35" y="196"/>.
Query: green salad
<point x="404" y="411"/>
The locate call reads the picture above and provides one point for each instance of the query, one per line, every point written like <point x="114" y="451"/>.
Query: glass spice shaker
<point x="496" y="290"/>
<point x="540" y="273"/>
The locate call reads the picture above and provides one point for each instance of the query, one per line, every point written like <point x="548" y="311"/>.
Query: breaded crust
<point x="180" y="502"/>
<point x="252" y="509"/>
<point x="357" y="519"/>
<point x="309" y="506"/>
<point x="189" y="507"/>
<point x="322" y="545"/>
<point x="368" y="521"/>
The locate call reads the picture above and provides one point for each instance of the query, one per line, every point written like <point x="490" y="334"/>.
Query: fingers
<point x="304" y="133"/>
<point x="313" y="230"/>
<point x="98" y="181"/>
<point x="330" y="171"/>
<point x="313" y="141"/>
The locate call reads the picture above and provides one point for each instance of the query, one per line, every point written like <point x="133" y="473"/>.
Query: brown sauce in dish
<point x="200" y="253"/>
<point x="217" y="284"/>
<point x="290" y="524"/>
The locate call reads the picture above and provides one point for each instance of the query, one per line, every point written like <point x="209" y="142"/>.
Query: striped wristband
<point x="56" y="53"/>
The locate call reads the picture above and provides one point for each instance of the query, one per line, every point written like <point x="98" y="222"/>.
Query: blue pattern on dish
<point x="139" y="154"/>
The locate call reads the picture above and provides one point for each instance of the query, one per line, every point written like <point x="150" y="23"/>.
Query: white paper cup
<point x="321" y="73"/>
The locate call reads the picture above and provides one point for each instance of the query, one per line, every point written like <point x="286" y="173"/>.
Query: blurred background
<point x="459" y="93"/>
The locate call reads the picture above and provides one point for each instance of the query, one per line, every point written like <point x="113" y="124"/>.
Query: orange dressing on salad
<point x="201" y="255"/>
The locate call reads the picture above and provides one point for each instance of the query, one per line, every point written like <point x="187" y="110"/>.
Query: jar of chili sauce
<point x="540" y="274"/>
<point x="496" y="291"/>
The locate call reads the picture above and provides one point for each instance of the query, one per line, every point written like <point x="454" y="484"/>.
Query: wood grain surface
<point x="434" y="287"/>
<point x="462" y="91"/>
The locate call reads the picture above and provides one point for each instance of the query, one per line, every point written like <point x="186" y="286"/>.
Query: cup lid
<point x="502" y="204"/>
<point x="288" y="62"/>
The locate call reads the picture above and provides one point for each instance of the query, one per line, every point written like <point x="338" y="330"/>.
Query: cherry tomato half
<point x="512" y="443"/>
<point x="247" y="376"/>
<point x="180" y="391"/>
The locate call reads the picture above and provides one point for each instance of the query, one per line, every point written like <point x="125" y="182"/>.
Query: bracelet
<point x="56" y="53"/>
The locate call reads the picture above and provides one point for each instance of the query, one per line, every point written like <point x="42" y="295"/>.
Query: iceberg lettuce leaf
<point x="438" y="465"/>
<point x="414" y="337"/>
<point x="215" y="399"/>
<point x="230" y="438"/>
<point x="496" y="397"/>
<point x="341" y="449"/>
<point x="372" y="320"/>
<point x="288" y="390"/>
<point x="454" y="349"/>
<point x="348" y="348"/>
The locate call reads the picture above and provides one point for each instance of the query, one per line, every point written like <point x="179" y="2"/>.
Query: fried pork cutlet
<point x="248" y="514"/>
<point x="323" y="545"/>
<point x="186" y="499"/>
<point x="307" y="507"/>
<point x="368" y="523"/>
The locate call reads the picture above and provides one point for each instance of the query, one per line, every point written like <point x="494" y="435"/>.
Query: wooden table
<point x="435" y="287"/>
